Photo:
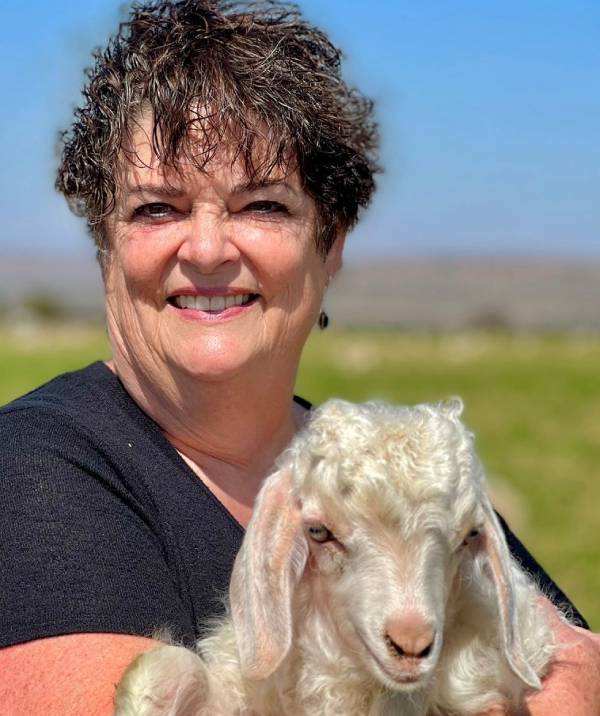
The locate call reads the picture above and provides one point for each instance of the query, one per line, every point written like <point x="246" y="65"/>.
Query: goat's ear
<point x="500" y="569"/>
<point x="266" y="571"/>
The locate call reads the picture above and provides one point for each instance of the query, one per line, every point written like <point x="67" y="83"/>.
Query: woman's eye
<point x="155" y="210"/>
<point x="320" y="533"/>
<point x="266" y="207"/>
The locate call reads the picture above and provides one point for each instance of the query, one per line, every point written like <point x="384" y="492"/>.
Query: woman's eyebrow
<point x="240" y="188"/>
<point x="250" y="185"/>
<point x="162" y="189"/>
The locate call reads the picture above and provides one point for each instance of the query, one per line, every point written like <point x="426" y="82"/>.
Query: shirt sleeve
<point x="78" y="552"/>
<point x="541" y="578"/>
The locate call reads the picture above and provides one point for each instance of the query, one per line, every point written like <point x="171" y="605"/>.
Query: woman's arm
<point x="74" y="674"/>
<point x="572" y="688"/>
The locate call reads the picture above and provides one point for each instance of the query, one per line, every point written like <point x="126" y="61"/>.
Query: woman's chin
<point x="212" y="359"/>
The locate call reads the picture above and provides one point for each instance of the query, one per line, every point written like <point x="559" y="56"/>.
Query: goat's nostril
<point x="409" y="636"/>
<point x="393" y="647"/>
<point x="406" y="651"/>
<point x="426" y="651"/>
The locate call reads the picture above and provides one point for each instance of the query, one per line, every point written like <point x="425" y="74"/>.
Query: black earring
<point x="323" y="320"/>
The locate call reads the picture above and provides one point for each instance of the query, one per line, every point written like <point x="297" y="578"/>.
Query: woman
<point x="219" y="160"/>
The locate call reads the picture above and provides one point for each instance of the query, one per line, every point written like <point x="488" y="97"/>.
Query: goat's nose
<point x="409" y="635"/>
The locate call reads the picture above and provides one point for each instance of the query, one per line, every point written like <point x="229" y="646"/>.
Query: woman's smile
<point x="213" y="304"/>
<point x="211" y="273"/>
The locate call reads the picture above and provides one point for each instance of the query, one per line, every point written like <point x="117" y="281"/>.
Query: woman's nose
<point x="209" y="244"/>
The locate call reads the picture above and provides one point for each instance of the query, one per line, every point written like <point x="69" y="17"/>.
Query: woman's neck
<point x="229" y="432"/>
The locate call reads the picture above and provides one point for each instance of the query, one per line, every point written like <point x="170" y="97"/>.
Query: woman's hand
<point x="573" y="685"/>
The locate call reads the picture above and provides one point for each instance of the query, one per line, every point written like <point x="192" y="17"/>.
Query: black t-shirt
<point x="104" y="527"/>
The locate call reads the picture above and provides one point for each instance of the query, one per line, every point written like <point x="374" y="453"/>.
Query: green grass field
<point x="533" y="402"/>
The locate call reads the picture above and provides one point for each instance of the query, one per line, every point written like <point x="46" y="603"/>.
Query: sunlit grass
<point x="533" y="402"/>
<point x="31" y="355"/>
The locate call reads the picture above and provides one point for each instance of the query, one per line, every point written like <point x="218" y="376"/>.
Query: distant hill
<point x="444" y="294"/>
<point x="479" y="292"/>
<point x="73" y="280"/>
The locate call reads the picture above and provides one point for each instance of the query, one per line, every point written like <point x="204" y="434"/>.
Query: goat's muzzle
<point x="409" y="637"/>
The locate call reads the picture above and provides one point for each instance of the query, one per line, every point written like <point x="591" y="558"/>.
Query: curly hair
<point x="208" y="70"/>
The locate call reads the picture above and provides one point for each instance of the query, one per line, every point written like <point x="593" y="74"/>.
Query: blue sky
<point x="490" y="117"/>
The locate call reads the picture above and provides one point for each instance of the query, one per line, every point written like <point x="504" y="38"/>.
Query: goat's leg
<point x="167" y="681"/>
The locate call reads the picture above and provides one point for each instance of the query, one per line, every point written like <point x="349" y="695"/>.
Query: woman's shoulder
<point x="77" y="432"/>
<point x="68" y="391"/>
<point x="89" y="405"/>
<point x="90" y="485"/>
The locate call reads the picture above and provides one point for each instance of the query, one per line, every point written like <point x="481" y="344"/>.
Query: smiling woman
<point x="219" y="159"/>
<point x="216" y="272"/>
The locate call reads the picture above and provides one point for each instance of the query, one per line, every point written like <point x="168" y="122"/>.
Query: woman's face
<point x="209" y="274"/>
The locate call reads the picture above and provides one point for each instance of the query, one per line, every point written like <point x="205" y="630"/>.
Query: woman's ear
<point x="333" y="260"/>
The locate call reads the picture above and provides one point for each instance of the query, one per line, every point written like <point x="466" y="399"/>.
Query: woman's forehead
<point x="208" y="153"/>
<point x="232" y="177"/>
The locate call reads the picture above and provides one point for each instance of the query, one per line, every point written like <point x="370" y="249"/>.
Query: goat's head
<point x="383" y="511"/>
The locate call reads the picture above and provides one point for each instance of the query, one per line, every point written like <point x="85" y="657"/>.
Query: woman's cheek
<point x="147" y="254"/>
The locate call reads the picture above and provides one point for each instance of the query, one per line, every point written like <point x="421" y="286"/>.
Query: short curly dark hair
<point x="205" y="69"/>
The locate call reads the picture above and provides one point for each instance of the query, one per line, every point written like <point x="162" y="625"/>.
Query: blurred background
<point x="476" y="272"/>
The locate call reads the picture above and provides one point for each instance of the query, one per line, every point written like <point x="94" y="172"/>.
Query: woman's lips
<point x="213" y="303"/>
<point x="213" y="306"/>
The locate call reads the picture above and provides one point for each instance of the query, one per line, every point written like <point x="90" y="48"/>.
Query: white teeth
<point x="215" y="303"/>
<point x="200" y="303"/>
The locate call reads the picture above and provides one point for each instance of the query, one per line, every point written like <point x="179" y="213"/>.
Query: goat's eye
<point x="471" y="535"/>
<point x="320" y="533"/>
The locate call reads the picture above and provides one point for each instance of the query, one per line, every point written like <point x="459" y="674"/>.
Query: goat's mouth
<point x="409" y="676"/>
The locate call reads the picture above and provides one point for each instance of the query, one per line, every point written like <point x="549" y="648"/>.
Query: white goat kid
<point x="374" y="579"/>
